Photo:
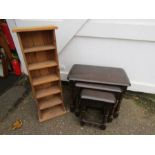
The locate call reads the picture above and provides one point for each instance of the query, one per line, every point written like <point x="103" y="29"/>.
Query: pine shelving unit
<point x="39" y="50"/>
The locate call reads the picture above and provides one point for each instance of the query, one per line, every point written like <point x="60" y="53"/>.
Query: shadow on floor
<point x="8" y="82"/>
<point x="13" y="90"/>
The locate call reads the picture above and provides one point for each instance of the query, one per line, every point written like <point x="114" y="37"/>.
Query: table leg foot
<point x="77" y="113"/>
<point x="72" y="108"/>
<point x="116" y="115"/>
<point x="110" y="119"/>
<point x="103" y="127"/>
<point x="82" y="123"/>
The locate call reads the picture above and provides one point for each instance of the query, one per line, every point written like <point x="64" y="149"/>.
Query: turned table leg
<point x="117" y="109"/>
<point x="106" y="110"/>
<point x="72" y="105"/>
<point x="77" y="102"/>
<point x="111" y="112"/>
<point x="82" y="112"/>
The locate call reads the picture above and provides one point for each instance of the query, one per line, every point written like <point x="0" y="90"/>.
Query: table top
<point x="98" y="74"/>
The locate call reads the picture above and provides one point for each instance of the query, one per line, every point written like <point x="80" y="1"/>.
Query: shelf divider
<point x="41" y="65"/>
<point x="47" y="91"/>
<point x="39" y="48"/>
<point x="50" y="102"/>
<point x="44" y="79"/>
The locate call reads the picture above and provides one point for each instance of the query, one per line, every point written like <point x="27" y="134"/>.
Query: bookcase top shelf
<point x="34" y="28"/>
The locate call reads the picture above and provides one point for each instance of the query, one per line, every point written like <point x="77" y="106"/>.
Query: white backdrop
<point x="120" y="43"/>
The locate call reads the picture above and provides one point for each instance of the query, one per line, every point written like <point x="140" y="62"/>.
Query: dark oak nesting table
<point x="98" y="75"/>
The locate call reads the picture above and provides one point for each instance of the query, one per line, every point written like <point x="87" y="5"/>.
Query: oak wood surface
<point x="41" y="65"/>
<point x="44" y="79"/>
<point x="48" y="91"/>
<point x="34" y="28"/>
<point x="39" y="50"/>
<point x="49" y="102"/>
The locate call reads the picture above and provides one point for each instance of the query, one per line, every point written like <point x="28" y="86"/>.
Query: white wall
<point x="120" y="43"/>
<point x="136" y="57"/>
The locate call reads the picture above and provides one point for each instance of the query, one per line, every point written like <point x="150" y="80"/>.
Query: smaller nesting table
<point x="105" y="101"/>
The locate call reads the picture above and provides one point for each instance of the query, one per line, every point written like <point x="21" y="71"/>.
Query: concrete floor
<point x="133" y="119"/>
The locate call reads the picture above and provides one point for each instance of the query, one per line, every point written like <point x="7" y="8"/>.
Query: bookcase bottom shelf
<point x="51" y="113"/>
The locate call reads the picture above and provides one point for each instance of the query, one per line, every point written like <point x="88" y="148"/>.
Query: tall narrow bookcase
<point x="39" y="50"/>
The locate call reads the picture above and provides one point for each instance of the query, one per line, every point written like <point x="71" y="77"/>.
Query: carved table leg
<point x="72" y="105"/>
<point x="82" y="112"/>
<point x="111" y="112"/>
<point x="117" y="109"/>
<point x="105" y="117"/>
<point x="77" y="102"/>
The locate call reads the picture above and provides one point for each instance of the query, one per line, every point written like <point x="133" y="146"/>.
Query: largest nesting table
<point x="98" y="75"/>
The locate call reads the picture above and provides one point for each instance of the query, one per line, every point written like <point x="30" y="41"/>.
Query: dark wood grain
<point x="98" y="74"/>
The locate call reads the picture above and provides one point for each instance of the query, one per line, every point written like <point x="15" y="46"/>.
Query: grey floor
<point x="133" y="119"/>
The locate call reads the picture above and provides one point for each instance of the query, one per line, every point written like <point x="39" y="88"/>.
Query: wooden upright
<point x="39" y="50"/>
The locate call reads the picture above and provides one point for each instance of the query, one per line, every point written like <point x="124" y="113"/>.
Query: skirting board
<point x="142" y="87"/>
<point x="64" y="76"/>
<point x="135" y="86"/>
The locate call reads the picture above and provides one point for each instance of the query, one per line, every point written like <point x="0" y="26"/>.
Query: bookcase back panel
<point x="43" y="72"/>
<point x="46" y="85"/>
<point x="48" y="97"/>
<point x="36" y="38"/>
<point x="41" y="56"/>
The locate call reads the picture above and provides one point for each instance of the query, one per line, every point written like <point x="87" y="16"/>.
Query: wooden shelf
<point x="41" y="65"/>
<point x="51" y="113"/>
<point x="44" y="79"/>
<point x="50" y="102"/>
<point x="47" y="91"/>
<point x="39" y="48"/>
